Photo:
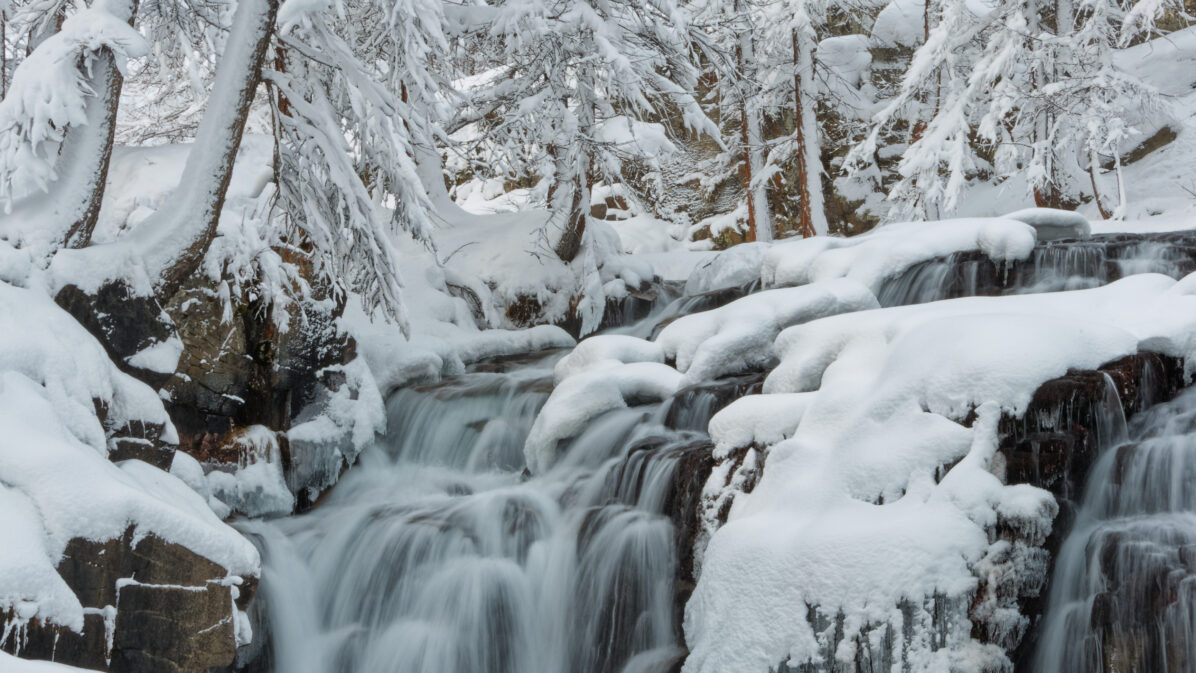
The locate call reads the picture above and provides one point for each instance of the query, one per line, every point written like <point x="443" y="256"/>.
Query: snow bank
<point x="739" y="337"/>
<point x="760" y="420"/>
<point x="58" y="483"/>
<point x="885" y="252"/>
<point x="879" y="506"/>
<point x="735" y="267"/>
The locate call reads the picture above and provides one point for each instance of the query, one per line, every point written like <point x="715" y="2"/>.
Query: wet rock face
<point x="1071" y="418"/>
<point x="1054" y="445"/>
<point x="243" y="370"/>
<point x="152" y="606"/>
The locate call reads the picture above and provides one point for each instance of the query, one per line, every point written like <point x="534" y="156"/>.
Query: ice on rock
<point x="256" y="488"/>
<point x="739" y="336"/>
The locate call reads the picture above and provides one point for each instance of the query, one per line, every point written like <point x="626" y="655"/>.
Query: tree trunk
<point x="175" y="240"/>
<point x="1095" y="189"/>
<point x="759" y="220"/>
<point x="811" y="216"/>
<point x="71" y="207"/>
<point x="576" y="162"/>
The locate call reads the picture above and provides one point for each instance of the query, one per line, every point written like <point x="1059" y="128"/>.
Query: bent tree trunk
<point x="72" y="206"/>
<point x="174" y="242"/>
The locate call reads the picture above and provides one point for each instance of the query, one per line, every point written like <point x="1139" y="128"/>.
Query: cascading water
<point x="1053" y="266"/>
<point x="1123" y="596"/>
<point x="437" y="554"/>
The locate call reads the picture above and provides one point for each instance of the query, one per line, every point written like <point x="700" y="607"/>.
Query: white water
<point x="1123" y="596"/>
<point x="436" y="555"/>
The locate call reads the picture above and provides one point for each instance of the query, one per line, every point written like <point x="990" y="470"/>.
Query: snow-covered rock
<point x="739" y="336"/>
<point x="880" y="500"/>
<point x="1051" y="224"/>
<point x="887" y="251"/>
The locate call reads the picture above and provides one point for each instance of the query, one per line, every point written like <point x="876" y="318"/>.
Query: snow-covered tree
<point x="577" y="78"/>
<point x="356" y="100"/>
<point x="57" y="124"/>
<point x="1031" y="82"/>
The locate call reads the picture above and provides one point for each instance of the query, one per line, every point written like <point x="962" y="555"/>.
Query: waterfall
<point x="438" y="554"/>
<point x="1123" y="596"/>
<point x="1052" y="267"/>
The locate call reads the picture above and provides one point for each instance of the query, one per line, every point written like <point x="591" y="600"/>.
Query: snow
<point x="58" y="483"/>
<point x="1050" y="223"/>
<point x="873" y="492"/>
<point x="11" y="664"/>
<point x="735" y="267"/>
<point x="584" y="396"/>
<point x="885" y="252"/>
<point x="739" y="336"/>
<point x="161" y="356"/>
<point x="605" y="351"/>
<point x="760" y="420"/>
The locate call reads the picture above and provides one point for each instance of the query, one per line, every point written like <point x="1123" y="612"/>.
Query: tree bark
<point x="577" y="163"/>
<point x="176" y="239"/>
<point x="811" y="209"/>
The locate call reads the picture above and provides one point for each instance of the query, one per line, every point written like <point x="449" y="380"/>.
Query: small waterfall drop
<point x="1123" y="597"/>
<point x="1053" y="266"/>
<point x="438" y="554"/>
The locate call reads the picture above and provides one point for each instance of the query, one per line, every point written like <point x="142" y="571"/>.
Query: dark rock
<point x="1068" y="423"/>
<point x="173" y="629"/>
<point x="124" y="322"/>
<point x="174" y="609"/>
<point x="245" y="371"/>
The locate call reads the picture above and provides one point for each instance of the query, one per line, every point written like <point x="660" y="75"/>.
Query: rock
<point x="124" y="322"/>
<point x="1055" y="443"/>
<point x="173" y="629"/>
<point x="174" y="609"/>
<point x="245" y="371"/>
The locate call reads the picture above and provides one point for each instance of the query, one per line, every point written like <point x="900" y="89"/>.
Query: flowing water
<point x="1123" y="597"/>
<point x="438" y="554"/>
<point x="1052" y="267"/>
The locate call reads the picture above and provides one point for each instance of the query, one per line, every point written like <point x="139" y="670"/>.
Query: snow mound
<point x="880" y="500"/>
<point x="735" y="267"/>
<point x="1052" y="224"/>
<point x="757" y="420"/>
<point x="583" y="397"/>
<point x="604" y="351"/>
<point x="887" y="251"/>
<point x="739" y="336"/>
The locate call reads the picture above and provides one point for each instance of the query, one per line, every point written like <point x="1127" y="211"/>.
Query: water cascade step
<point x="1123" y="596"/>
<point x="438" y="553"/>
